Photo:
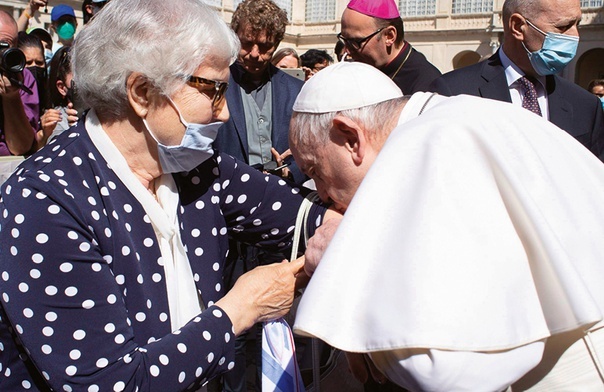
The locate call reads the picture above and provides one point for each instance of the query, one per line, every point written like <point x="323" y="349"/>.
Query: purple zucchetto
<point x="383" y="9"/>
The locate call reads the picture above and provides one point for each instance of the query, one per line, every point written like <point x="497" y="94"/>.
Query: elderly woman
<point x="113" y="236"/>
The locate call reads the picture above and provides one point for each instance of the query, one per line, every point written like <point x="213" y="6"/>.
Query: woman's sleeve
<point x="68" y="312"/>
<point x="261" y="209"/>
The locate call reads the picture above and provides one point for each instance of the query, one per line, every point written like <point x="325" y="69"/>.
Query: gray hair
<point x="313" y="129"/>
<point x="528" y="9"/>
<point x="166" y="41"/>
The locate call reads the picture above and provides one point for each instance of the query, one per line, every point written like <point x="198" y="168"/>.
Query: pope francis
<point x="471" y="253"/>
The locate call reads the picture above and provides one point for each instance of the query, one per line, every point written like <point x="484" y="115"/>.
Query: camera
<point x="12" y="60"/>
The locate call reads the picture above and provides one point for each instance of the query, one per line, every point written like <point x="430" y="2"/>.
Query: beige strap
<point x="301" y="223"/>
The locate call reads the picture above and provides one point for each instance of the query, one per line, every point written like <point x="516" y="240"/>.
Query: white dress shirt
<point x="512" y="74"/>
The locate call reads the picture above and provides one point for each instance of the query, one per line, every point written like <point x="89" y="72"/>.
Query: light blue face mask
<point x="47" y="56"/>
<point x="557" y="51"/>
<point x="194" y="149"/>
<point x="602" y="102"/>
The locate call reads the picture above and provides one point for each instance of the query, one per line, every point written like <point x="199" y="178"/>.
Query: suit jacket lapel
<point x="495" y="85"/>
<point x="237" y="113"/>
<point x="279" y="98"/>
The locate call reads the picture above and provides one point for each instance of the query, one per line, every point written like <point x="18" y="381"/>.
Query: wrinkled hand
<point x="318" y="243"/>
<point x="361" y="366"/>
<point x="280" y="158"/>
<point x="262" y="294"/>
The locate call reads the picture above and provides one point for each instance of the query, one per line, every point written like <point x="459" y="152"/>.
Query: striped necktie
<point x="280" y="372"/>
<point x="529" y="100"/>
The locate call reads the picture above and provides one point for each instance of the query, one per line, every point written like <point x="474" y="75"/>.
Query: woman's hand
<point x="280" y="159"/>
<point x="262" y="294"/>
<point x="49" y="121"/>
<point x="72" y="114"/>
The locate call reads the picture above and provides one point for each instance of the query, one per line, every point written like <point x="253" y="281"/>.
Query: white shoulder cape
<point x="479" y="227"/>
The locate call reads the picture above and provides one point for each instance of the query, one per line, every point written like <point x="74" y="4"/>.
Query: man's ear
<point x="517" y="25"/>
<point x="138" y="90"/>
<point x="389" y="35"/>
<point x="348" y="134"/>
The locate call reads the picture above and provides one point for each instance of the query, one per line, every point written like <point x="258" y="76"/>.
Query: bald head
<point x="8" y="28"/>
<point x="528" y="8"/>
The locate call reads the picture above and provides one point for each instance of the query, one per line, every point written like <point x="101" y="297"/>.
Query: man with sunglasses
<point x="539" y="39"/>
<point x="373" y="33"/>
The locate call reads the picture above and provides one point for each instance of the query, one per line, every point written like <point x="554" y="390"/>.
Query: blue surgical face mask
<point x="47" y="56"/>
<point x="557" y="51"/>
<point x="602" y="101"/>
<point x="195" y="147"/>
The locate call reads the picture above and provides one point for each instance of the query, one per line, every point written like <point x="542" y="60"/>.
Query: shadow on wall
<point x="465" y="58"/>
<point x="590" y="66"/>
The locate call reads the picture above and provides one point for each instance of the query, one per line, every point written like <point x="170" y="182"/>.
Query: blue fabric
<point x="280" y="371"/>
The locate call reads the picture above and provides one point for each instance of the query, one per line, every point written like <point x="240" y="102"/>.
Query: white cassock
<point x="472" y="252"/>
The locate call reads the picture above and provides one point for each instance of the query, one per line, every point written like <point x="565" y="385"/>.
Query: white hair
<point x="313" y="129"/>
<point x="166" y="41"/>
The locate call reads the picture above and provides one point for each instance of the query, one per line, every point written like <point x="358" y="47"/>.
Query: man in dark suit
<point x="260" y="98"/>
<point x="373" y="33"/>
<point x="534" y="34"/>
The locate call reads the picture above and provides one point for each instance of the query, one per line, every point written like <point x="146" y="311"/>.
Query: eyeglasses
<point x="356" y="43"/>
<point x="212" y="89"/>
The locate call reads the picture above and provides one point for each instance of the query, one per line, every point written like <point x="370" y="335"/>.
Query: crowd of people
<point x="142" y="241"/>
<point x="51" y="106"/>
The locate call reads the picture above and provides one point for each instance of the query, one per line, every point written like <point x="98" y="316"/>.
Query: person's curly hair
<point x="261" y="15"/>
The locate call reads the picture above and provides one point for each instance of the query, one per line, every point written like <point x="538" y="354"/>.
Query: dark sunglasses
<point x="210" y="88"/>
<point x="357" y="43"/>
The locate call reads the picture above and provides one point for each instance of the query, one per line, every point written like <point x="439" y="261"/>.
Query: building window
<point x="472" y="6"/>
<point x="283" y="4"/>
<point x="286" y="5"/>
<point x="417" y="7"/>
<point x="215" y="3"/>
<point x="320" y="10"/>
<point x="592" y="3"/>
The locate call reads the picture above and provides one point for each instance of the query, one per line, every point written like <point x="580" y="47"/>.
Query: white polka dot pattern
<point x="82" y="279"/>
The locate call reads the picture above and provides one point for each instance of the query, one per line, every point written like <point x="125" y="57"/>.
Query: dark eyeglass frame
<point x="357" y="43"/>
<point x="212" y="89"/>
